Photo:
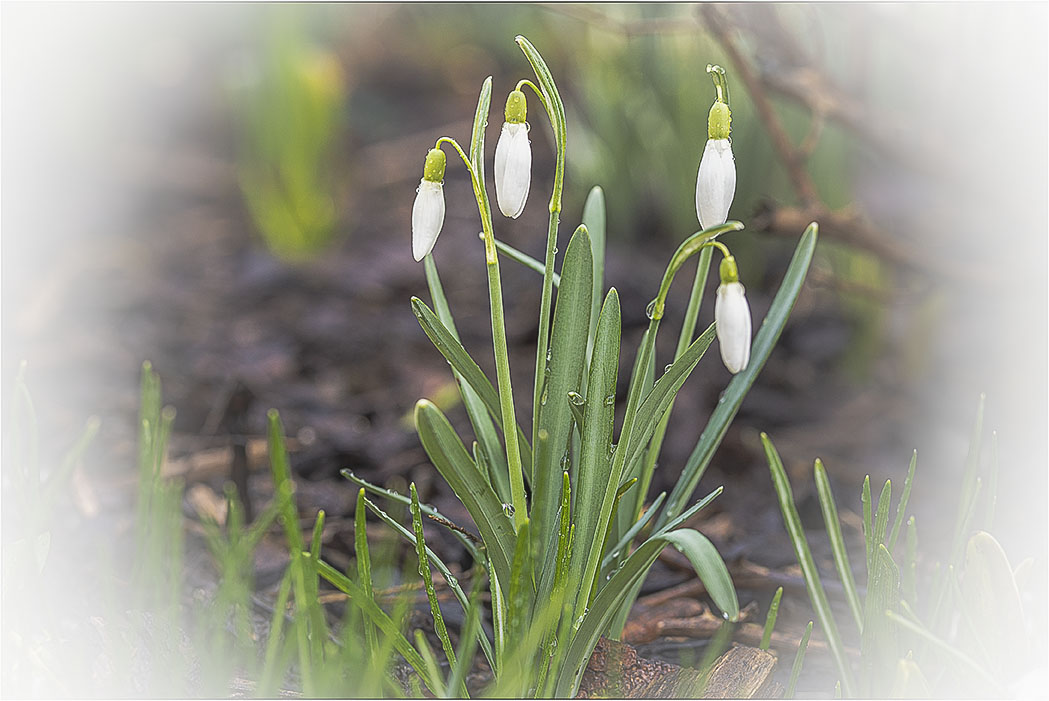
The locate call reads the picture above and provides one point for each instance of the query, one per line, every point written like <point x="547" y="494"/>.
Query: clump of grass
<point x="958" y="629"/>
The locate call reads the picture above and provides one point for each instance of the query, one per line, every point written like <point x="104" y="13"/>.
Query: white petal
<point x="732" y="314"/>
<point x="716" y="183"/>
<point x="427" y="217"/>
<point x="513" y="169"/>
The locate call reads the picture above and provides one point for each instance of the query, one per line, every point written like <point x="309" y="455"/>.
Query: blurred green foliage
<point x="289" y="119"/>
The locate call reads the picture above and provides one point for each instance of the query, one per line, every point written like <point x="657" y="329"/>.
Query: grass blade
<point x="837" y="542"/>
<point x="427" y="577"/>
<point x="525" y="260"/>
<point x="364" y="568"/>
<point x="594" y="221"/>
<point x="770" y="620"/>
<point x="817" y="595"/>
<point x="799" y="660"/>
<point x="901" y="508"/>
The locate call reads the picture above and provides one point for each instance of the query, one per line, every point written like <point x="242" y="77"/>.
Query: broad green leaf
<point x="837" y="542"/>
<point x="817" y="595"/>
<point x="450" y="458"/>
<point x="594" y="221"/>
<point x="593" y="474"/>
<point x="709" y="566"/>
<point x="445" y="342"/>
<point x="725" y="411"/>
<point x="563" y="374"/>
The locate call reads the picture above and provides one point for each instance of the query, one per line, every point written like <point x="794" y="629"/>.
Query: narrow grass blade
<point x="364" y="568"/>
<point x="563" y="374"/>
<point x="770" y="620"/>
<point x="450" y="458"/>
<point x="901" y="508"/>
<point x="459" y="534"/>
<point x="837" y="542"/>
<point x="449" y="578"/>
<point x="868" y="527"/>
<point x="881" y="516"/>
<point x="470" y="371"/>
<point x="766" y="338"/>
<point x="476" y="409"/>
<point x="433" y="670"/>
<point x="619" y="550"/>
<point x="427" y="577"/>
<point x="521" y="595"/>
<point x="270" y="670"/>
<point x="992" y="484"/>
<point x="468" y="637"/>
<point x="484" y="101"/>
<point x="383" y="622"/>
<point x="817" y="595"/>
<point x="799" y="660"/>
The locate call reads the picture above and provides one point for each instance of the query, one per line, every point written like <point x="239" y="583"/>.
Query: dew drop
<point x="610" y="400"/>
<point x="667" y="368"/>
<point x="578" y="622"/>
<point x="452" y="581"/>
<point x="543" y="398"/>
<point x="576" y="398"/>
<point x="725" y="615"/>
<point x="509" y="510"/>
<point x="565" y="460"/>
<point x="650" y="310"/>
<point x="555" y="250"/>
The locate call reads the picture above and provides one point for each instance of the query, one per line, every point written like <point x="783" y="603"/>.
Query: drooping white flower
<point x="428" y="210"/>
<point x="513" y="158"/>
<point x="513" y="169"/>
<point x="427" y="217"/>
<point x="716" y="183"/>
<point x="732" y="316"/>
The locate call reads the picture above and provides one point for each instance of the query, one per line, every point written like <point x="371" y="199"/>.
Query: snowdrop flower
<point x="732" y="315"/>
<point x="716" y="182"/>
<point x="513" y="158"/>
<point x="428" y="211"/>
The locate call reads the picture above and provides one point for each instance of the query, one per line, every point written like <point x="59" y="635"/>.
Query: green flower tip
<point x="516" y="107"/>
<point x="433" y="170"/>
<point x="729" y="271"/>
<point x="719" y="121"/>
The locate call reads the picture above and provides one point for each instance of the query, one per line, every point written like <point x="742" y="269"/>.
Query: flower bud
<point x="716" y="182"/>
<point x="428" y="211"/>
<point x="513" y="158"/>
<point x="732" y="316"/>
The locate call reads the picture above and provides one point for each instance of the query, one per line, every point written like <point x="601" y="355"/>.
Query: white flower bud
<point x="513" y="168"/>
<point x="427" y="217"/>
<point x="732" y="315"/>
<point x="716" y="183"/>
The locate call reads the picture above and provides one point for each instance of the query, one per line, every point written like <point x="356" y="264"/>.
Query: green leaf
<point x="799" y="659"/>
<point x="992" y="600"/>
<point x="709" y="566"/>
<point x="729" y="404"/>
<point x="594" y="221"/>
<point x="817" y="595"/>
<point x="484" y="101"/>
<point x="564" y="370"/>
<point x="770" y="620"/>
<point x="476" y="409"/>
<point x="837" y="542"/>
<point x="593" y="474"/>
<point x="881" y="517"/>
<point x="364" y="567"/>
<point x="463" y="364"/>
<point x="878" y="640"/>
<point x="450" y="458"/>
<point x="525" y="260"/>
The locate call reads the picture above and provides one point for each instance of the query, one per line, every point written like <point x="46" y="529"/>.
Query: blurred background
<point x="225" y="190"/>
